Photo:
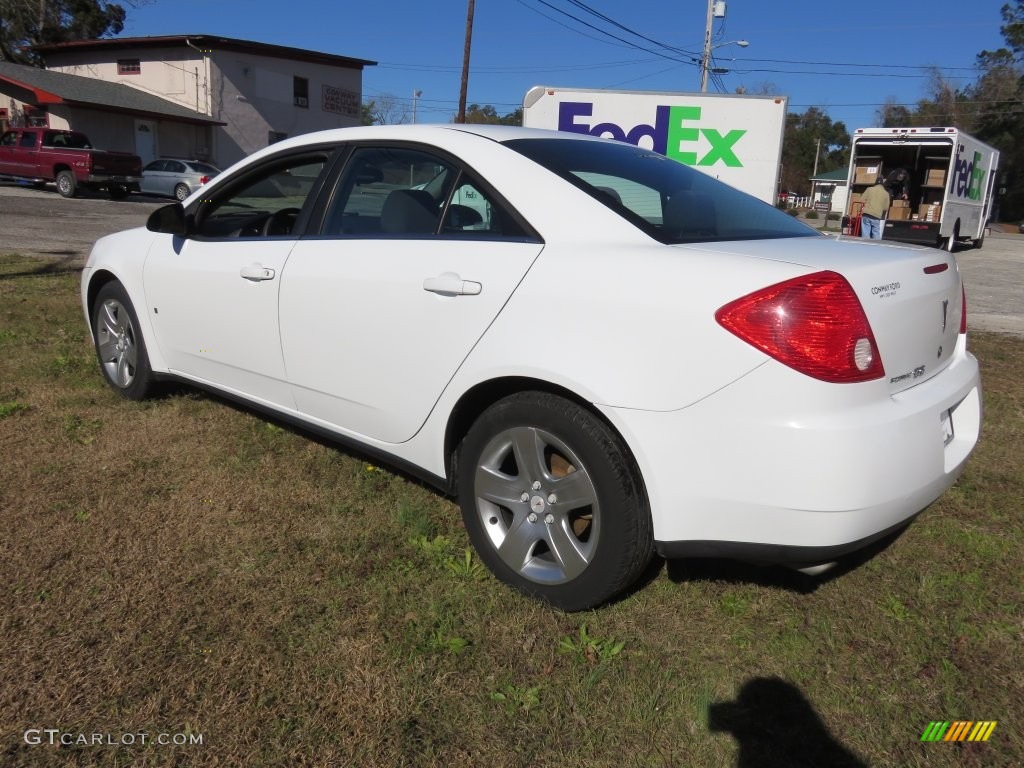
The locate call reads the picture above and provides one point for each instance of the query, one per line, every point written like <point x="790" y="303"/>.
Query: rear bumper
<point x="778" y="467"/>
<point x="920" y="232"/>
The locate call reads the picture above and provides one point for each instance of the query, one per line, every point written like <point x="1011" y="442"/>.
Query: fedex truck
<point x="737" y="139"/>
<point x="940" y="180"/>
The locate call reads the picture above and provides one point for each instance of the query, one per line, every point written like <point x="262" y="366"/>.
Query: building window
<point x="300" y="90"/>
<point x="275" y="136"/>
<point x="129" y="67"/>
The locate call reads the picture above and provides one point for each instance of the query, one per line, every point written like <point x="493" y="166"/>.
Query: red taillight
<point x="814" y="324"/>
<point x="963" y="309"/>
<point x="203" y="180"/>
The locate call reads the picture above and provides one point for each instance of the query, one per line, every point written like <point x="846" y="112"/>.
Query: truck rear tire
<point x="66" y="184"/>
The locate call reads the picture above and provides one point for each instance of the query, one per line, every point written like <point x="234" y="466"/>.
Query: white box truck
<point x="943" y="195"/>
<point x="737" y="139"/>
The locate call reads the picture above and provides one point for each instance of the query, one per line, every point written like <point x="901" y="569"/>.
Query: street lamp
<point x="705" y="61"/>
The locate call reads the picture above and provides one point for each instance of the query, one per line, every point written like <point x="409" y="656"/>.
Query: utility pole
<point x="461" y="118"/>
<point x="705" y="59"/>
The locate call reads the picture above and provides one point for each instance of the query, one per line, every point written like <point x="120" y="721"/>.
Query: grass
<point x="183" y="566"/>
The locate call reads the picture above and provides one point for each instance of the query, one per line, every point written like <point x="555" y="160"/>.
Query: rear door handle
<point x="257" y="272"/>
<point x="450" y="284"/>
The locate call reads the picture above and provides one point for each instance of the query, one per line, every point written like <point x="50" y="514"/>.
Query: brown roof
<point x="211" y="43"/>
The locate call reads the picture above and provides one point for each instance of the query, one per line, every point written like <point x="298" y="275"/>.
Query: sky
<point x="847" y="58"/>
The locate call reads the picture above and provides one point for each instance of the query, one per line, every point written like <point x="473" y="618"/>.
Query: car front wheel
<point x="120" y="348"/>
<point x="553" y="502"/>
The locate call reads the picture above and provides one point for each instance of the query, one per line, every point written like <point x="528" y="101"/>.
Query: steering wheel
<point x="280" y="222"/>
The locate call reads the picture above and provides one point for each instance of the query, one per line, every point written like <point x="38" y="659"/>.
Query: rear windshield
<point x="204" y="168"/>
<point x="66" y="140"/>
<point x="669" y="201"/>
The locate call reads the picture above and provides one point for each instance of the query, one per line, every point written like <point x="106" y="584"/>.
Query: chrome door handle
<point x="256" y="273"/>
<point x="450" y="284"/>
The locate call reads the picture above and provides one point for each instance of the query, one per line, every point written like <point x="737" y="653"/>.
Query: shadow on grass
<point x="777" y="727"/>
<point x="778" y="576"/>
<point x="69" y="264"/>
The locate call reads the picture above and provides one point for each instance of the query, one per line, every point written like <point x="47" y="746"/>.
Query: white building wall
<point x="255" y="96"/>
<point x="177" y="74"/>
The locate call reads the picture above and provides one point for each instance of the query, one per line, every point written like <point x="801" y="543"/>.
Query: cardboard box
<point x="855" y="200"/>
<point x="929" y="212"/>
<point x="935" y="176"/>
<point x="900" y="204"/>
<point x="865" y="172"/>
<point x="898" y="213"/>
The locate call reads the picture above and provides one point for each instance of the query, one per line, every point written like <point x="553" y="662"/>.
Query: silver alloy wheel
<point x="64" y="185"/>
<point x="537" y="505"/>
<point x="115" y="345"/>
<point x="181" y="192"/>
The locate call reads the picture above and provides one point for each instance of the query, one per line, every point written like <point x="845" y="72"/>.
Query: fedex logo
<point x="968" y="176"/>
<point x="673" y="134"/>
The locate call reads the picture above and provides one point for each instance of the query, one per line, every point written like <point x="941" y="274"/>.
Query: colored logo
<point x="958" y="730"/>
<point x="968" y="176"/>
<point x="673" y="134"/>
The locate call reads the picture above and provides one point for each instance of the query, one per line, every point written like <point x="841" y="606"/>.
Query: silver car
<point x="176" y="178"/>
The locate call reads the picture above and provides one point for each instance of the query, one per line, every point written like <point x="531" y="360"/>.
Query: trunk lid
<point x="911" y="296"/>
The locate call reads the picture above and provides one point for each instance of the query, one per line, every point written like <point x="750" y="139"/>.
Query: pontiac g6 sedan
<point x="603" y="353"/>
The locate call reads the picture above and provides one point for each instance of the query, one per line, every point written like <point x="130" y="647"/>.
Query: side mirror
<point x="170" y="220"/>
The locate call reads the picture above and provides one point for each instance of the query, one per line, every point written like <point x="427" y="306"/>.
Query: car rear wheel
<point x="553" y="502"/>
<point x="66" y="184"/>
<point x="120" y="348"/>
<point x="181" y="191"/>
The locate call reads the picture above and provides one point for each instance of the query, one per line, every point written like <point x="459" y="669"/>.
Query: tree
<point x="488" y="115"/>
<point x="801" y="143"/>
<point x="386" y="109"/>
<point x="27" y="23"/>
<point x="997" y="97"/>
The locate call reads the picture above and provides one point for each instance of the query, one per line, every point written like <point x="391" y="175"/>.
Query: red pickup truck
<point x="40" y="155"/>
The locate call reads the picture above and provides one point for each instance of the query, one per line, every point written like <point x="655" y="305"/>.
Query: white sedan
<point x="605" y="354"/>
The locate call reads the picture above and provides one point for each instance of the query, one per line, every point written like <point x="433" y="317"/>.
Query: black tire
<point x="66" y="184"/>
<point x="978" y="242"/>
<point x="120" y="348"/>
<point x="117" y="192"/>
<point x="573" y="551"/>
<point x="181" y="191"/>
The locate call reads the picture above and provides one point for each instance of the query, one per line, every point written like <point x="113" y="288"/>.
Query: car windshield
<point x="669" y="201"/>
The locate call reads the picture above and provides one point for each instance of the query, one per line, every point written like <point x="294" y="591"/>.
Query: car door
<point x="379" y="311"/>
<point x="213" y="296"/>
<point x="8" y="152"/>
<point x="151" y="178"/>
<point x="174" y="171"/>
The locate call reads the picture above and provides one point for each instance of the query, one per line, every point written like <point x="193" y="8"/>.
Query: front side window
<point x="668" y="200"/>
<point x="28" y="139"/>
<point x="156" y="165"/>
<point x="265" y="202"/>
<point x="401" y="192"/>
<point x="9" y="139"/>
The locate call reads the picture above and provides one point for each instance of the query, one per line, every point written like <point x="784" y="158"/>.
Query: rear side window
<point x="666" y="199"/>
<point x="28" y="139"/>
